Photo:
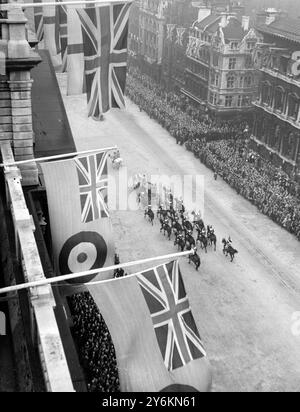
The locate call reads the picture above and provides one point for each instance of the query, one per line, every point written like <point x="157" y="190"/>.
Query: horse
<point x="176" y="227"/>
<point x="195" y="258"/>
<point x="189" y="240"/>
<point x="166" y="228"/>
<point x="229" y="250"/>
<point x="180" y="242"/>
<point x="212" y="239"/>
<point x="150" y="214"/>
<point x="203" y="241"/>
<point x="187" y="225"/>
<point x="161" y="212"/>
<point x="199" y="225"/>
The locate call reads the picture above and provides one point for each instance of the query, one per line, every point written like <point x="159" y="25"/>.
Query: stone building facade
<point x="151" y="36"/>
<point x="276" y="133"/>
<point x="219" y="73"/>
<point x="17" y="60"/>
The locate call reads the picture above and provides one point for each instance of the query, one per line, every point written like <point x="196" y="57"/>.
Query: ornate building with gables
<point x="276" y="133"/>
<point x="219" y="71"/>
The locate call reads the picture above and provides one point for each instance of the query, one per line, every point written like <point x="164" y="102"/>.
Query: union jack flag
<point x="180" y="34"/>
<point x="63" y="35"/>
<point x="39" y="21"/>
<point x="105" y="32"/>
<point x="173" y="322"/>
<point x="170" y="30"/>
<point x="93" y="185"/>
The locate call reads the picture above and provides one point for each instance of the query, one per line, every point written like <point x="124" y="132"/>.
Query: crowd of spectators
<point x="175" y="113"/>
<point x="222" y="147"/>
<point x="96" y="350"/>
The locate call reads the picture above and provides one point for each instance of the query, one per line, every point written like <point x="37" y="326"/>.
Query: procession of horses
<point x="188" y="229"/>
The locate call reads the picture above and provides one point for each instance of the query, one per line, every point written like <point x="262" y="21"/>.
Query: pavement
<point x="244" y="309"/>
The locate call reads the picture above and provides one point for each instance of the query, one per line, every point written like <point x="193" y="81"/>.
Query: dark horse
<point x="150" y="214"/>
<point x="203" y="241"/>
<point x="195" y="258"/>
<point x="212" y="239"/>
<point x="176" y="226"/>
<point x="161" y="212"/>
<point x="229" y="250"/>
<point x="179" y="240"/>
<point x="187" y="225"/>
<point x="189" y="240"/>
<point x="166" y="228"/>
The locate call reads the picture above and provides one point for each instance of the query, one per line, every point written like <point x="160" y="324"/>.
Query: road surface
<point x="244" y="309"/>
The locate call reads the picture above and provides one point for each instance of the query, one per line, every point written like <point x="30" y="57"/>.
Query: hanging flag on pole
<point x="39" y="21"/>
<point x="158" y="347"/>
<point x="79" y="216"/>
<point x="105" y="32"/>
<point x="63" y="35"/>
<point x="75" y="66"/>
<point x="51" y="32"/>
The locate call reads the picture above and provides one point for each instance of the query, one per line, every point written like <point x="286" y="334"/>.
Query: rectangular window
<point x="215" y="59"/>
<point x="232" y="63"/>
<point x="240" y="99"/>
<point x="234" y="45"/>
<point x="250" y="45"/>
<point x="228" y="101"/>
<point x="217" y="80"/>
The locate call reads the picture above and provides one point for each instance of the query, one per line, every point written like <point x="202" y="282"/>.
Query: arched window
<point x="289" y="146"/>
<point x="279" y="98"/>
<point x="266" y="93"/>
<point x="230" y="82"/>
<point x="293" y="106"/>
<point x="248" y="81"/>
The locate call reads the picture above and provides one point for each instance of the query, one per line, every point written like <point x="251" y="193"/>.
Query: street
<point x="243" y="309"/>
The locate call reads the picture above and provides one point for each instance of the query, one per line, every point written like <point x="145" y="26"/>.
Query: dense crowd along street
<point x="96" y="350"/>
<point x="222" y="148"/>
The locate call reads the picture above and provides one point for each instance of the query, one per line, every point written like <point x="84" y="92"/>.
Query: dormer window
<point x="250" y="45"/>
<point x="234" y="45"/>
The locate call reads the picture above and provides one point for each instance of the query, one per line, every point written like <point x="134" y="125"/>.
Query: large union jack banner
<point x="93" y="186"/>
<point x="39" y="22"/>
<point x="63" y="35"/>
<point x="175" y="328"/>
<point x="105" y="32"/>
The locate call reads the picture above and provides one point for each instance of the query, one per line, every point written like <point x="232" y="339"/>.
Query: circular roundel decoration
<point x="178" y="387"/>
<point x="81" y="252"/>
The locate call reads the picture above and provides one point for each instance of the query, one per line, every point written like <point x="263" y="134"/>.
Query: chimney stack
<point x="245" y="22"/>
<point x="224" y="20"/>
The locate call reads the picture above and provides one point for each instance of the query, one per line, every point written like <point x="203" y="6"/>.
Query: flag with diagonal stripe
<point x="51" y="32"/>
<point x="75" y="60"/>
<point x="93" y="185"/>
<point x="105" y="32"/>
<point x="81" y="229"/>
<point x="63" y="35"/>
<point x="158" y="347"/>
<point x="39" y="21"/>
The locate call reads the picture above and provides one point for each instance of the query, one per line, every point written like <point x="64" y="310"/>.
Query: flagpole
<point x="9" y="6"/>
<point x="62" y="278"/>
<point x="61" y="156"/>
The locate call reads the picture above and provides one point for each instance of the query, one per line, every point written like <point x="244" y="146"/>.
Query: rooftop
<point x="285" y="27"/>
<point x="233" y="30"/>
